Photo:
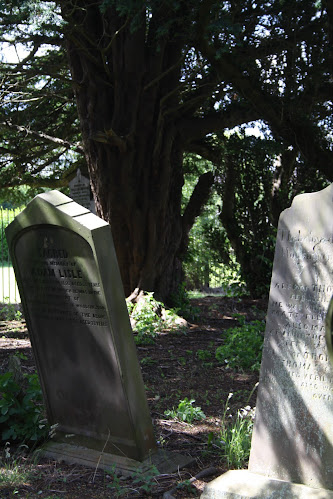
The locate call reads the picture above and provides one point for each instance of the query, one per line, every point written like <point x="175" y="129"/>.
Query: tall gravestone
<point x="293" y="435"/>
<point x="75" y="309"/>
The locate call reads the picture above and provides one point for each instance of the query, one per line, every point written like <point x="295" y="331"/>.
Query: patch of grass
<point x="14" y="470"/>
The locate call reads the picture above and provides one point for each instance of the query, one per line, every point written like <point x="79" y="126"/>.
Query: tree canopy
<point x="130" y="86"/>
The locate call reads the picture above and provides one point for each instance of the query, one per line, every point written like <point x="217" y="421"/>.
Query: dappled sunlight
<point x="293" y="432"/>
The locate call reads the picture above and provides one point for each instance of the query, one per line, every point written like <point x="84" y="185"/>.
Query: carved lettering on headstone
<point x="293" y="436"/>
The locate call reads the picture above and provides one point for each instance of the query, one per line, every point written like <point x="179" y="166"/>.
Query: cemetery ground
<point x="189" y="381"/>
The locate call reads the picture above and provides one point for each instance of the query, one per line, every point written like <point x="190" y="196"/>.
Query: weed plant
<point x="234" y="441"/>
<point x="149" y="317"/>
<point x="22" y="416"/>
<point x="9" y="311"/>
<point x="186" y="412"/>
<point x="14" y="469"/>
<point x="182" y="304"/>
<point x="243" y="346"/>
<point x="142" y="481"/>
<point x="204" y="354"/>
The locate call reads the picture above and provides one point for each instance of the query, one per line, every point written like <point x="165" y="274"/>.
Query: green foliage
<point x="149" y="317"/>
<point x="147" y="321"/>
<point x="245" y="184"/>
<point x="243" y="346"/>
<point x="186" y="412"/>
<point x="147" y="361"/>
<point x="145" y="479"/>
<point x="142" y="479"/>
<point x="182" y="305"/>
<point x="14" y="469"/>
<point x="18" y="196"/>
<point x="204" y="354"/>
<point x="210" y="260"/>
<point x="234" y="441"/>
<point x="6" y="217"/>
<point x="9" y="311"/>
<point x="21" y="409"/>
<point x="116" y="485"/>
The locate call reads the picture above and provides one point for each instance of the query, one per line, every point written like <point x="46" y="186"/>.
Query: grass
<point x="8" y="287"/>
<point x="14" y="469"/>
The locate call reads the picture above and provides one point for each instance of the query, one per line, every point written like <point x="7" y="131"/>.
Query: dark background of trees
<point x="140" y="94"/>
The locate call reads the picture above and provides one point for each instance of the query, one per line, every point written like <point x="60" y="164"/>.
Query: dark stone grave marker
<point x="75" y="309"/>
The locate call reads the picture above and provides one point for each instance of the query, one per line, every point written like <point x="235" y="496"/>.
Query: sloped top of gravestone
<point x="69" y="215"/>
<point x="312" y="208"/>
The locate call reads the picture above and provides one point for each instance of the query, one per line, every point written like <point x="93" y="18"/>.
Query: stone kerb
<point x="76" y="313"/>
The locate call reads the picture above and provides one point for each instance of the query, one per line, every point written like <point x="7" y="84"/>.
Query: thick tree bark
<point x="133" y="148"/>
<point x="136" y="124"/>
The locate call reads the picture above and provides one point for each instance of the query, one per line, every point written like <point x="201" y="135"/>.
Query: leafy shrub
<point x="149" y="317"/>
<point x="182" y="304"/>
<point x="21" y="410"/>
<point x="243" y="346"/>
<point x="186" y="412"/>
<point x="146" y="320"/>
<point x="9" y="311"/>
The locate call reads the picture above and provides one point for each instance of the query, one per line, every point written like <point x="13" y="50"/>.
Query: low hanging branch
<point x="43" y="136"/>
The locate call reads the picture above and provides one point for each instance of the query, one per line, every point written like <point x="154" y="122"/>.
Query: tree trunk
<point x="133" y="148"/>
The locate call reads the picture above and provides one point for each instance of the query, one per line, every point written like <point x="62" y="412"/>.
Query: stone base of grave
<point x="165" y="462"/>
<point x="242" y="484"/>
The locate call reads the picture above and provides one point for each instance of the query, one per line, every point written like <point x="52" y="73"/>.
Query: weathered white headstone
<point x="79" y="189"/>
<point x="75" y="309"/>
<point x="293" y="435"/>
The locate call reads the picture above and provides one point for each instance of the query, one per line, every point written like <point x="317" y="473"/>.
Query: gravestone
<point x="79" y="189"/>
<point x="292" y="441"/>
<point x="75" y="309"/>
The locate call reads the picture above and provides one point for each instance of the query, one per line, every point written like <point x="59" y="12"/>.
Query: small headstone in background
<point x="80" y="192"/>
<point x="293" y="435"/>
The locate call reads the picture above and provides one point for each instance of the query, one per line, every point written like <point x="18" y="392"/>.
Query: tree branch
<point x="198" y="199"/>
<point x="235" y="114"/>
<point x="44" y="137"/>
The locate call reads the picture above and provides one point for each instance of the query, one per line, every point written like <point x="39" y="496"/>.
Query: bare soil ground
<point x="172" y="370"/>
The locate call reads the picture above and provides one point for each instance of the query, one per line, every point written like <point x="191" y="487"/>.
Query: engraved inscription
<point x="297" y="312"/>
<point x="59" y="287"/>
